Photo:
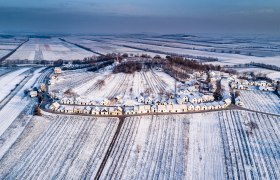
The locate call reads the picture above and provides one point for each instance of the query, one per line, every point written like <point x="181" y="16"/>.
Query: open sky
<point x="135" y="16"/>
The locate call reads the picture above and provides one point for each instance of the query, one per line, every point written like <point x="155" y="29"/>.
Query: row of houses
<point x="94" y="110"/>
<point x="175" y="108"/>
<point x="250" y="83"/>
<point x="138" y="109"/>
<point x="252" y="87"/>
<point x="180" y="99"/>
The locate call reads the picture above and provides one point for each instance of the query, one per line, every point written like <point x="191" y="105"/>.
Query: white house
<point x="54" y="106"/>
<point x="148" y="100"/>
<point x="161" y="108"/>
<point x="33" y="93"/>
<point x="104" y="102"/>
<point x="87" y="110"/>
<point x="57" y="70"/>
<point x="140" y="99"/>
<point x="196" y="107"/>
<point x="95" y="111"/>
<point x="104" y="111"/>
<point x="190" y="107"/>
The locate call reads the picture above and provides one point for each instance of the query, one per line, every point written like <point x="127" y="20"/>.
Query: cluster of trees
<point x="217" y="94"/>
<point x="255" y="76"/>
<point x="100" y="65"/>
<point x="180" y="68"/>
<point x="190" y="64"/>
<point x="128" y="67"/>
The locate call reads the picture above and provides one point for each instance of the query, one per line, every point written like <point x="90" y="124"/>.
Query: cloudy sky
<point x="131" y="16"/>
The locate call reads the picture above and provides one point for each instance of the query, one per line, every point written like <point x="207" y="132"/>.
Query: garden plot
<point x="10" y="80"/>
<point x="70" y="147"/>
<point x="251" y="145"/>
<point x="149" y="147"/>
<point x="49" y="49"/>
<point x="261" y="101"/>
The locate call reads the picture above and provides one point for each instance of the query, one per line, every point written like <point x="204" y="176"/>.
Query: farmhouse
<point x="87" y="110"/>
<point x="142" y="109"/>
<point x="140" y="99"/>
<point x="104" y="111"/>
<point x="33" y="93"/>
<point x="203" y="106"/>
<point x="170" y="102"/>
<point x="54" y="106"/>
<point x="154" y="108"/>
<point x="95" y="111"/>
<point x="78" y="109"/>
<point x="227" y="101"/>
<point x="196" y="107"/>
<point x="104" y="102"/>
<point x="115" y="110"/>
<point x="192" y="99"/>
<point x="190" y="107"/>
<point x="161" y="108"/>
<point x="57" y="70"/>
<point x="148" y="100"/>
<point x="129" y="110"/>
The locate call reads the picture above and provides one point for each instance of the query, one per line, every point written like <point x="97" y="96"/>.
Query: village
<point x="203" y="91"/>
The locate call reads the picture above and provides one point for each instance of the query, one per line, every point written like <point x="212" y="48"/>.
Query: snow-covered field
<point x="9" y="81"/>
<point x="49" y="49"/>
<point x="261" y="101"/>
<point x="205" y="150"/>
<point x="59" y="147"/>
<point x="251" y="145"/>
<point x="231" y="144"/>
<point x="107" y="47"/>
<point x="127" y="86"/>
<point x="17" y="104"/>
<point x="224" y="58"/>
<point x="4" y="52"/>
<point x="149" y="147"/>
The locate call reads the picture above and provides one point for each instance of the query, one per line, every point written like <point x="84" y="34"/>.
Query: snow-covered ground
<point x="205" y="149"/>
<point x="261" y="101"/>
<point x="17" y="104"/>
<point x="224" y="58"/>
<point x="231" y="144"/>
<point x="251" y="145"/>
<point x="67" y="147"/>
<point x="108" y="47"/>
<point x="9" y="81"/>
<point x="127" y="86"/>
<point x="4" y="52"/>
<point x="49" y="49"/>
<point x="150" y="147"/>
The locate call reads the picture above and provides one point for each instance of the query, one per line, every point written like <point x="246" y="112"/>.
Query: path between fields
<point x="109" y="150"/>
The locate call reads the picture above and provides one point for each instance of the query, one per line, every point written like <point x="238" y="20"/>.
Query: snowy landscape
<point x="139" y="107"/>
